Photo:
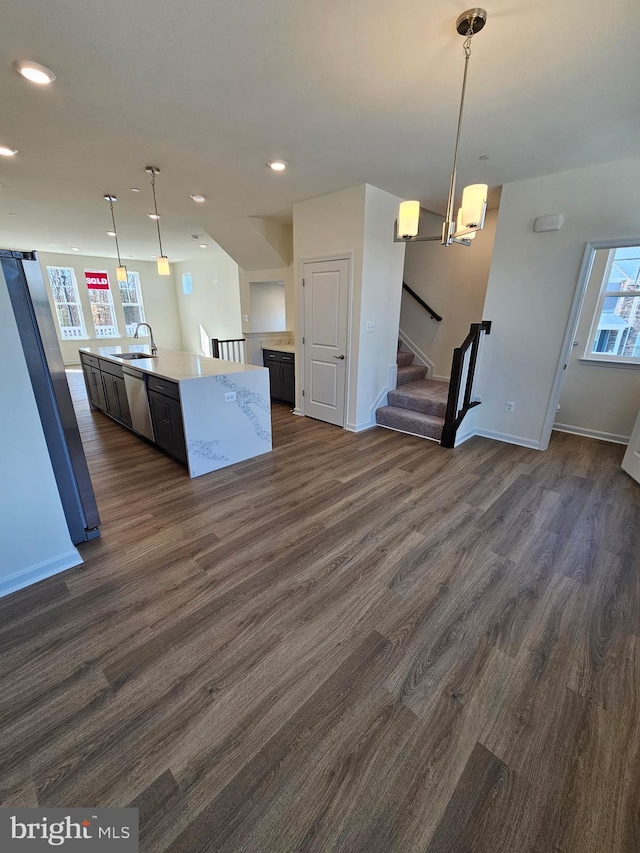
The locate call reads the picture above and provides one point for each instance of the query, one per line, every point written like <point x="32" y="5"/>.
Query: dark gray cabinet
<point x="115" y="392"/>
<point x="95" y="388"/>
<point x="105" y="387"/>
<point x="282" y="375"/>
<point x="166" y="416"/>
<point x="93" y="381"/>
<point x="106" y="391"/>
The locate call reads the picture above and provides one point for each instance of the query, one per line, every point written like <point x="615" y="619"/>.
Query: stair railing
<point x="420" y="301"/>
<point x="229" y="350"/>
<point x="463" y="371"/>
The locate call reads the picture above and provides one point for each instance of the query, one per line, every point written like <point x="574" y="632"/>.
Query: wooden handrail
<point x="456" y="412"/>
<point x="421" y="302"/>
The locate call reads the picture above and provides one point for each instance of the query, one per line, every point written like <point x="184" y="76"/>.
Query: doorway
<point x="599" y="383"/>
<point x="325" y="334"/>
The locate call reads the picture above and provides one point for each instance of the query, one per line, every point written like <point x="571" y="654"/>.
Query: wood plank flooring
<point x="355" y="643"/>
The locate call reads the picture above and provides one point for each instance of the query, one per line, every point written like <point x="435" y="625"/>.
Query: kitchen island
<point x="206" y="412"/>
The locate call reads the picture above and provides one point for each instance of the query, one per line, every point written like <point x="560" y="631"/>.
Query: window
<point x="615" y="333"/>
<point x="131" y="296"/>
<point x="101" y="301"/>
<point x="67" y="302"/>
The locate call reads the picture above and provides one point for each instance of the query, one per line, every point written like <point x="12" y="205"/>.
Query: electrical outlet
<point x="230" y="396"/>
<point x="371" y="326"/>
<point x="510" y="407"/>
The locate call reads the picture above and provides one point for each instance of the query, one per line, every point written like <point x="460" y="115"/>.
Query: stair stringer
<point x="381" y="400"/>
<point x="418" y="354"/>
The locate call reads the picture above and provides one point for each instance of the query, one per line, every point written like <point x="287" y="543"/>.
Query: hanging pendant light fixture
<point x="163" y="260"/>
<point x="121" y="270"/>
<point x="470" y="218"/>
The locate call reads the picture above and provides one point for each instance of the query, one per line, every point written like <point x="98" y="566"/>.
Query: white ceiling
<point x="347" y="92"/>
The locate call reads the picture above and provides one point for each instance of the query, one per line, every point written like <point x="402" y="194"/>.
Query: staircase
<point x="418" y="405"/>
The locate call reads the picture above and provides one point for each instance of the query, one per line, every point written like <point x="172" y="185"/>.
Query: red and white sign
<point x="96" y="280"/>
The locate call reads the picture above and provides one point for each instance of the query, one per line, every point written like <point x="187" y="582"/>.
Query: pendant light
<point x="121" y="270"/>
<point x="470" y="217"/>
<point x="163" y="260"/>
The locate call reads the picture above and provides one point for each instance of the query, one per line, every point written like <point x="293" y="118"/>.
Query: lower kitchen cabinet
<point x="168" y="429"/>
<point x="105" y="388"/>
<point x="282" y="375"/>
<point x="116" y="398"/>
<point x="95" y="388"/>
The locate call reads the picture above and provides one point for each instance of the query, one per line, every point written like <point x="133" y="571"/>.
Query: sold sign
<point x="96" y="280"/>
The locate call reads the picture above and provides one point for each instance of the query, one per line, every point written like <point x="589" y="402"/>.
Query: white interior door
<point x="631" y="461"/>
<point x="326" y="302"/>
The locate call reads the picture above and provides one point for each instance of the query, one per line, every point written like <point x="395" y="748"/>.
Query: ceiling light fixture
<point x="197" y="197"/>
<point x="121" y="270"/>
<point x="111" y="233"/>
<point x="277" y="165"/>
<point x="135" y="190"/>
<point x="153" y="215"/>
<point x="203" y="245"/>
<point x="163" y="260"/>
<point x="75" y="249"/>
<point x="7" y="152"/>
<point x="470" y="218"/>
<point x="34" y="72"/>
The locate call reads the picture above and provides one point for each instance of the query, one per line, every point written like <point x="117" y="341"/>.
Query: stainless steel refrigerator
<point x="27" y="291"/>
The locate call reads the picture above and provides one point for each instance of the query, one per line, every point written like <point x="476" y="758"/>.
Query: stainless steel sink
<point x="130" y="356"/>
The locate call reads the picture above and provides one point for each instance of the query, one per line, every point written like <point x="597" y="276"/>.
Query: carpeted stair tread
<point x="404" y="359"/>
<point x="426" y="395"/>
<point x="410" y="373"/>
<point x="427" y="426"/>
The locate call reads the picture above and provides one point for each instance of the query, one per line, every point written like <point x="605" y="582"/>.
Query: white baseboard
<point x="40" y="572"/>
<point x="507" y="438"/>
<point x="351" y="427"/>
<point x="593" y="433"/>
<point x="461" y="437"/>
<point x="297" y="411"/>
<point x="440" y="378"/>
<point x="421" y="356"/>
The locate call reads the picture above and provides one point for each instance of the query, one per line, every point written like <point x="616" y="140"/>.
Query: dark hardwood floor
<point x="355" y="643"/>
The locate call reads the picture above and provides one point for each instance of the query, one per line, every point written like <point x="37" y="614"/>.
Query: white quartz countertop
<point x="171" y="364"/>
<point x="279" y="347"/>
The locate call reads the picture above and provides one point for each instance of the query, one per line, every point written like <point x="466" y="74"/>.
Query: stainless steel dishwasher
<point x="136" y="388"/>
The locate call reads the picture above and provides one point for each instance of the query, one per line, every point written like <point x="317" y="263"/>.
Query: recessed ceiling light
<point x="153" y="215"/>
<point x="7" y="152"/>
<point x="277" y="165"/>
<point x="111" y="233"/>
<point x="135" y="190"/>
<point x="34" y="72"/>
<point x="75" y="249"/>
<point x="203" y="245"/>
<point x="199" y="198"/>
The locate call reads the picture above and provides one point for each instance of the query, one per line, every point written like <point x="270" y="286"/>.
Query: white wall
<point x="33" y="530"/>
<point x="453" y="281"/>
<point x="281" y="274"/>
<point x="381" y="292"/>
<point x="357" y="223"/>
<point x="267" y="306"/>
<point x="331" y="226"/>
<point x="532" y="282"/>
<point x="158" y="297"/>
<point x="598" y="399"/>
<point x="213" y="309"/>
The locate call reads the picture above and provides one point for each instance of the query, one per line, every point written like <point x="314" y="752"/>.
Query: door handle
<point x="341" y="357"/>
